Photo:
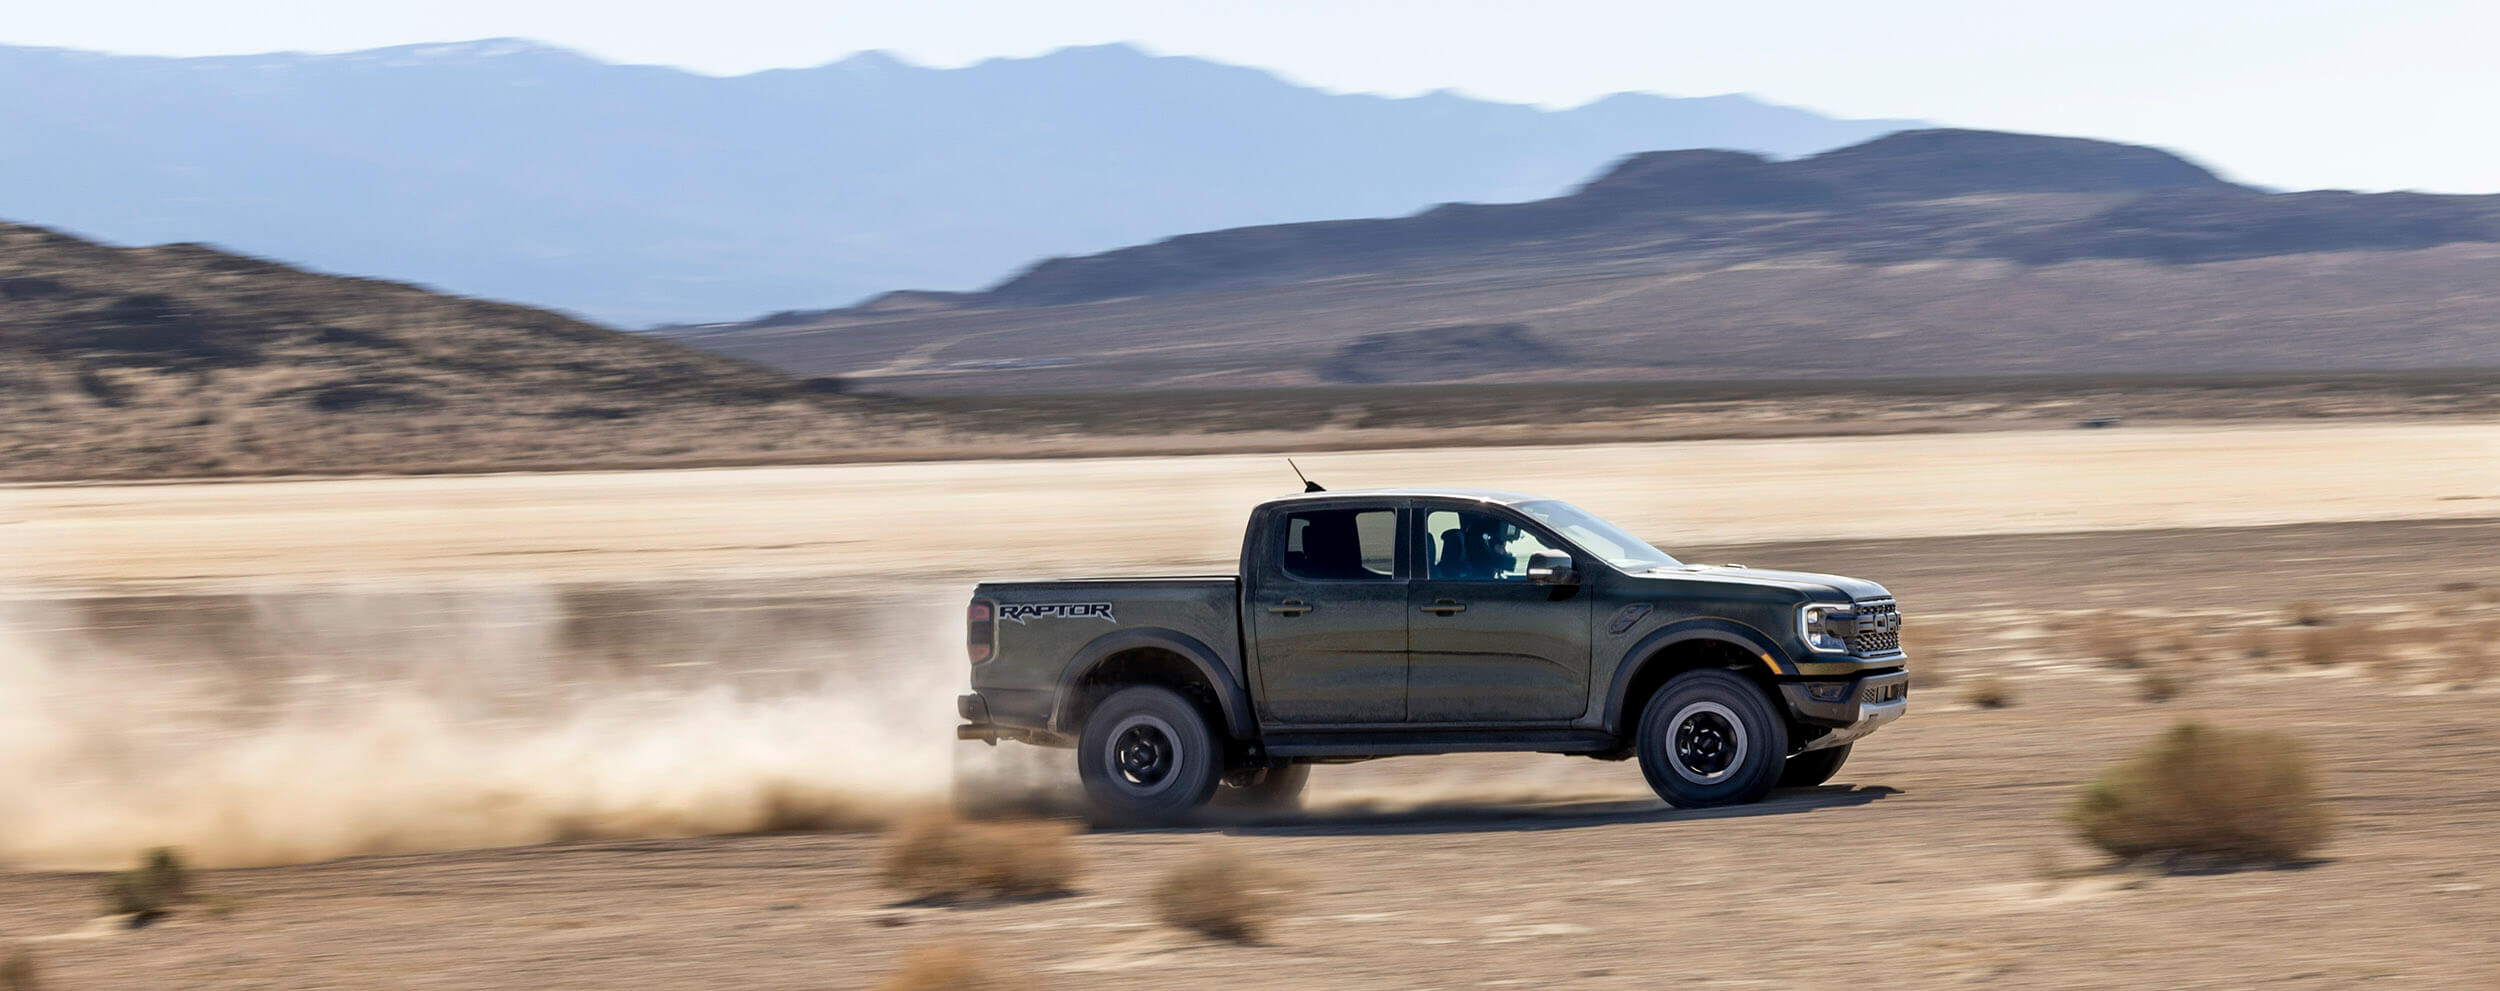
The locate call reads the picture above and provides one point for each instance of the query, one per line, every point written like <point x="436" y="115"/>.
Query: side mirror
<point x="1551" y="568"/>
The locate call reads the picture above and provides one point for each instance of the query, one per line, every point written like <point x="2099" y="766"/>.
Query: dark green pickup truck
<point x="1431" y="621"/>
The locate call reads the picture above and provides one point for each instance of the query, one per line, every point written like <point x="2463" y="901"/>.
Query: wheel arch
<point x="1149" y="656"/>
<point x="1690" y="645"/>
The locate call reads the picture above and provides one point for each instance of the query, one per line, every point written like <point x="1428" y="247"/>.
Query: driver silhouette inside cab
<point x="1477" y="549"/>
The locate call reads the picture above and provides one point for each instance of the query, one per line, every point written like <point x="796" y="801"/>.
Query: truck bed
<point x="1044" y="629"/>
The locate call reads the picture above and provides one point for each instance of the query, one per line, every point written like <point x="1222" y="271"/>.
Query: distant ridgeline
<point x="1921" y="253"/>
<point x="639" y="194"/>
<point x="185" y="360"/>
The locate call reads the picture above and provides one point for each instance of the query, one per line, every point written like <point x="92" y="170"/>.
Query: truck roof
<point x="1474" y="495"/>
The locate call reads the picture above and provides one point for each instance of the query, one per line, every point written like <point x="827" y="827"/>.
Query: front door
<point x="1484" y="644"/>
<point x="1328" y="609"/>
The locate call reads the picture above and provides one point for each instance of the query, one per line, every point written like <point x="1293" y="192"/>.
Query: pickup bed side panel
<point x="1230" y="696"/>
<point x="1047" y="631"/>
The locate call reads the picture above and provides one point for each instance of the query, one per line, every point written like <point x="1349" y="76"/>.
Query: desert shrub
<point x="2255" y="643"/>
<point x="1995" y="691"/>
<point x="165" y="872"/>
<point x="1222" y="896"/>
<point x="2326" y="646"/>
<point x="160" y="882"/>
<point x="2309" y="612"/>
<point x="2115" y="640"/>
<point x="2181" y="645"/>
<point x="941" y="967"/>
<point x="2204" y="793"/>
<point x="18" y="971"/>
<point x="2159" y="685"/>
<point x="943" y="859"/>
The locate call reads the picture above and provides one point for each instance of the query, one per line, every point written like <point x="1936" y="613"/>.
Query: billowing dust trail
<point x="333" y="725"/>
<point x="290" y="727"/>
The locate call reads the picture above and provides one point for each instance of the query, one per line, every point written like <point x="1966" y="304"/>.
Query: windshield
<point x="1622" y="550"/>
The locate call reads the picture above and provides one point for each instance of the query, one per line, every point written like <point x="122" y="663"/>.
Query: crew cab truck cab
<point x="1367" y="624"/>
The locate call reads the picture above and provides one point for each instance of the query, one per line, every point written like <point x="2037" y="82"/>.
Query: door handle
<point x="1291" y="607"/>
<point x="1445" y="607"/>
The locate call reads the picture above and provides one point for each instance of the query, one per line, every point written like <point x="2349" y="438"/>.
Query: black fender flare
<point x="1229" y="694"/>
<point x="1730" y="632"/>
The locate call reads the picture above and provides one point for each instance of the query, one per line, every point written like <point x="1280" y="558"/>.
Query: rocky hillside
<point x="1936" y="252"/>
<point x="184" y="360"/>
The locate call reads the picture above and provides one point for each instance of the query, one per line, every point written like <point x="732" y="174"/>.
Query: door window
<point x="1332" y="545"/>
<point x="1466" y="545"/>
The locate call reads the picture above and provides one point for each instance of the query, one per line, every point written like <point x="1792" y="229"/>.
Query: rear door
<point x="1484" y="643"/>
<point x="1327" y="610"/>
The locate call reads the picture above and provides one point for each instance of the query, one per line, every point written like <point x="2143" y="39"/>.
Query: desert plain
<point x="584" y="729"/>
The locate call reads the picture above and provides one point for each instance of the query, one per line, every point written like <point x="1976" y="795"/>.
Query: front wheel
<point x="1814" y="767"/>
<point x="1148" y="756"/>
<point x="1711" y="738"/>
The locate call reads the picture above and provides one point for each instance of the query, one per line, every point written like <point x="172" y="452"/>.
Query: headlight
<point x="1827" y="626"/>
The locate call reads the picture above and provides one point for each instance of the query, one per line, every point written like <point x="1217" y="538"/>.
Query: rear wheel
<point x="1148" y="756"/>
<point x="1711" y="738"/>
<point x="1814" y="767"/>
<point x="1277" y="788"/>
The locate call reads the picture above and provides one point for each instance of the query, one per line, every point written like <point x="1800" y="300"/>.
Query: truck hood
<point x="1802" y="581"/>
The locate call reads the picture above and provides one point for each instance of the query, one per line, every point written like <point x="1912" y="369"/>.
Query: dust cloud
<point x="266" y="729"/>
<point x="261" y="730"/>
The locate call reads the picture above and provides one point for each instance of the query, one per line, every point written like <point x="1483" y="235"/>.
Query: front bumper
<point x="1847" y="709"/>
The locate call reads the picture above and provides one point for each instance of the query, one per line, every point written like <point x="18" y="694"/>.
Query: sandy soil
<point x="1931" y="863"/>
<point x="276" y="672"/>
<point x="872" y="523"/>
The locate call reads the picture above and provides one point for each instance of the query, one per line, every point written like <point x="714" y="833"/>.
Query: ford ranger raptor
<point x="1368" y="624"/>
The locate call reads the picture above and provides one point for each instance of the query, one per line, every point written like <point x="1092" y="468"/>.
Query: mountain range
<point x="184" y="360"/>
<point x="640" y="194"/>
<point x="1922" y="253"/>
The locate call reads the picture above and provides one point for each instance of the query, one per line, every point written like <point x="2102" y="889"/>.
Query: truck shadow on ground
<point x="1356" y="817"/>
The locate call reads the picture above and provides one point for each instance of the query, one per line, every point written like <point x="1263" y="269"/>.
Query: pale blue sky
<point x="2293" y="93"/>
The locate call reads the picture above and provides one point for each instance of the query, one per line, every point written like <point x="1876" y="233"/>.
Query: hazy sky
<point x="2293" y="93"/>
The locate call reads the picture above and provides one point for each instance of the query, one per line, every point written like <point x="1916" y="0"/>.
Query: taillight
<point x="980" y="633"/>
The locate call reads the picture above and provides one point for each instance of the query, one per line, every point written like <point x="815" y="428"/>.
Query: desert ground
<point x="586" y="729"/>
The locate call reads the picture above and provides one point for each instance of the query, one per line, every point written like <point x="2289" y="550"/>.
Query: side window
<point x="1334" y="545"/>
<point x="1464" y="545"/>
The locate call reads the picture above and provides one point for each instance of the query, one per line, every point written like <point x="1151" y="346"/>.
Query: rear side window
<point x="1334" y="545"/>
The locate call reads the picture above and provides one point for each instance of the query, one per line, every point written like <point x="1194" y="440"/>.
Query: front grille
<point x="1888" y="692"/>
<point x="1886" y="637"/>
<point x="1875" y="643"/>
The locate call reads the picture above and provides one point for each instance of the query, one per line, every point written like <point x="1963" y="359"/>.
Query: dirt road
<point x="308" y="670"/>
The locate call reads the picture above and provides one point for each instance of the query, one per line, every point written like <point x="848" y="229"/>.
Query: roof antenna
<point x="1307" y="484"/>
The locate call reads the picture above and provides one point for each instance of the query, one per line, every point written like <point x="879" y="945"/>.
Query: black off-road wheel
<point x="1147" y="757"/>
<point x="1814" y="767"/>
<point x="1711" y="738"/>
<point x="1276" y="789"/>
